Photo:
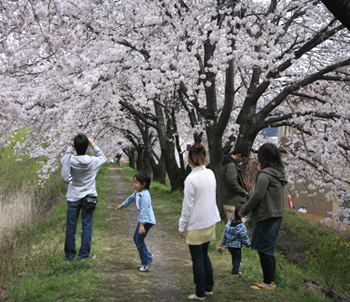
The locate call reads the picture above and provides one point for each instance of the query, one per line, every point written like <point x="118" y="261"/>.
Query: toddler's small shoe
<point x="208" y="293"/>
<point x="145" y="267"/>
<point x="195" y="297"/>
<point x="237" y="275"/>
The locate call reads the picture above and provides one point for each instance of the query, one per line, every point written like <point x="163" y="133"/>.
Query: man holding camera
<point x="79" y="171"/>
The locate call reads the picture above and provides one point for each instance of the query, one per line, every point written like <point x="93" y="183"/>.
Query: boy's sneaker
<point x="195" y="297"/>
<point x="145" y="267"/>
<point x="238" y="275"/>
<point x="208" y="293"/>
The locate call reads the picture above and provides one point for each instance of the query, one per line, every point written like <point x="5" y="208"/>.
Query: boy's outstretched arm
<point x="120" y="207"/>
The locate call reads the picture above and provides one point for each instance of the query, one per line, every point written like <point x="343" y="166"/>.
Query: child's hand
<point x="120" y="207"/>
<point x="142" y="229"/>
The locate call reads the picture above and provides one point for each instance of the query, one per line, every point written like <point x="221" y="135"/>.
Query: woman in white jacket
<point x="199" y="216"/>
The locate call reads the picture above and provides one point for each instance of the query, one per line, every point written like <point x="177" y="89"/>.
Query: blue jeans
<point x="202" y="269"/>
<point x="139" y="239"/>
<point x="73" y="211"/>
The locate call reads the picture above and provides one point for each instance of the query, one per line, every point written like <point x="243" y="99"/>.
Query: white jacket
<point x="199" y="209"/>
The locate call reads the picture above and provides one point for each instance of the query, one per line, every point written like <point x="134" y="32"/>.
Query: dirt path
<point x="160" y="283"/>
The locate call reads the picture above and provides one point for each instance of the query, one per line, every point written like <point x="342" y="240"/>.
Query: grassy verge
<point x="322" y="250"/>
<point x="40" y="272"/>
<point x="23" y="196"/>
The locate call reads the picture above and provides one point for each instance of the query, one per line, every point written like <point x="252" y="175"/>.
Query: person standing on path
<point x="232" y="190"/>
<point x="199" y="216"/>
<point x="267" y="209"/>
<point x="146" y="219"/>
<point x="80" y="171"/>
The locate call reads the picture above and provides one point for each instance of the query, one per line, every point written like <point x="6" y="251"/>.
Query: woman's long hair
<point x="197" y="154"/>
<point x="270" y="156"/>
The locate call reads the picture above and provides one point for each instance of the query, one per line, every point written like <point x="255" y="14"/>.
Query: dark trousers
<point x="202" y="269"/>
<point x="268" y="265"/>
<point x="236" y="255"/>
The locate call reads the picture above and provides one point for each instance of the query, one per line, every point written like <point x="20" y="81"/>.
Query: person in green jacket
<point x="232" y="190"/>
<point x="267" y="208"/>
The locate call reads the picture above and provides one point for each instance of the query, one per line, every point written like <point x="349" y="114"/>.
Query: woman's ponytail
<point x="198" y="154"/>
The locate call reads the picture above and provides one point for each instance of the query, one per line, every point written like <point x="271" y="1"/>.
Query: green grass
<point x="39" y="271"/>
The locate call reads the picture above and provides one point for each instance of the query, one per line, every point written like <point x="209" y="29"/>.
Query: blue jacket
<point x="147" y="215"/>
<point x="235" y="235"/>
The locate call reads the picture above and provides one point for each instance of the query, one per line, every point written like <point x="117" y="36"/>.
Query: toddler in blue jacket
<point x="235" y="235"/>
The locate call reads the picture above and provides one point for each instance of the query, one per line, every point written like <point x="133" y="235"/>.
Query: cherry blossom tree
<point x="212" y="71"/>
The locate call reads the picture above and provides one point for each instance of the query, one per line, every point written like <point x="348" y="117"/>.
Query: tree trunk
<point x="247" y="134"/>
<point x="158" y="170"/>
<point x="147" y="154"/>
<point x="139" y="159"/>
<point x="167" y="145"/>
<point x="131" y="155"/>
<point x="215" y="132"/>
<point x="215" y="150"/>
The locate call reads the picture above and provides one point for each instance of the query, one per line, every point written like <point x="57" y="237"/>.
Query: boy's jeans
<point x="202" y="269"/>
<point x="139" y="239"/>
<point x="73" y="211"/>
<point x="236" y="255"/>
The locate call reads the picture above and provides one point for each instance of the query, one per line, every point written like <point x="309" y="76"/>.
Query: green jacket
<point x="267" y="200"/>
<point x="232" y="190"/>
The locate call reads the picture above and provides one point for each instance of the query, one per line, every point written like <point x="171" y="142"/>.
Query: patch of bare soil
<point x="122" y="262"/>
